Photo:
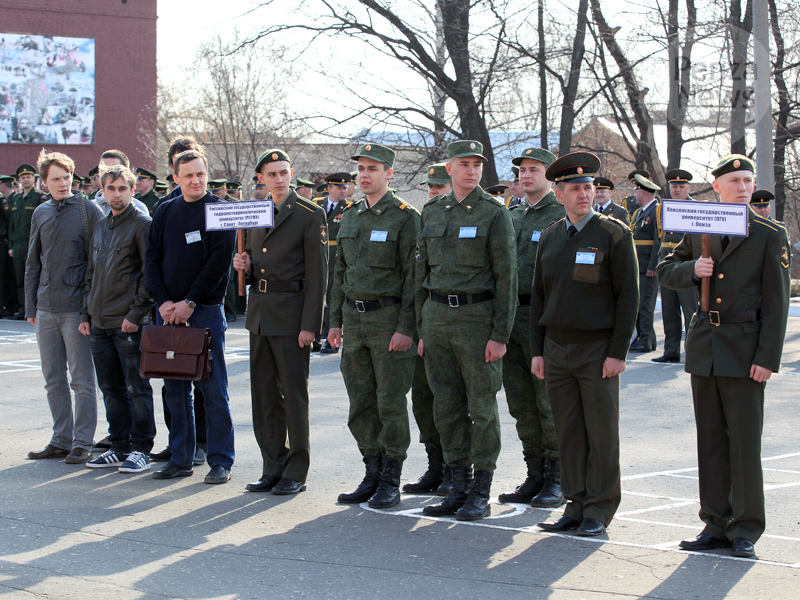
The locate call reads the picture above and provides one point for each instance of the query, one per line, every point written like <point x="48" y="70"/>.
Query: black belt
<point x="267" y="285"/>
<point x="368" y="305"/>
<point x="456" y="300"/>
<point x="742" y="316"/>
<point x="524" y="299"/>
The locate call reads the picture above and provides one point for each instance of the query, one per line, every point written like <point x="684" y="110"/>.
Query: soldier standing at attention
<point x="466" y="297"/>
<point x="731" y="352"/>
<point x="334" y="205"/>
<point x="288" y="271"/>
<point x="526" y="394"/>
<point x="8" y="289"/>
<point x="373" y="304"/>
<point x="145" y="183"/>
<point x="674" y="302"/>
<point x="583" y="308"/>
<point x="437" y="477"/>
<point x="645" y="236"/>
<point x="603" y="202"/>
<point x="630" y="202"/>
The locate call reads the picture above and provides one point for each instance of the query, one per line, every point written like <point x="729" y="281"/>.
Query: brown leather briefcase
<point x="175" y="352"/>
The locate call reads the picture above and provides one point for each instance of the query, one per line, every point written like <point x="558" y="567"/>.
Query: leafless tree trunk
<point x="680" y="64"/>
<point x="739" y="28"/>
<point x="543" y="127"/>
<point x="571" y="89"/>
<point x="782" y="136"/>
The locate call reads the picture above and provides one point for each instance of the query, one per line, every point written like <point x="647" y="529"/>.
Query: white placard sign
<point x="713" y="218"/>
<point x="239" y="215"/>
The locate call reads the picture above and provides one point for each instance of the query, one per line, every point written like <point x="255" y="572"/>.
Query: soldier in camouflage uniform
<point x="526" y="394"/>
<point x="466" y="297"/>
<point x="373" y="303"/>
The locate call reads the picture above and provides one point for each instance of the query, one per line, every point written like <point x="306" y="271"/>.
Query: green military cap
<point x="464" y="148"/>
<point x="7" y="179"/>
<point x="641" y="172"/>
<point x="515" y="171"/>
<point x="94" y="171"/>
<point x="77" y="178"/>
<point x="86" y="181"/>
<point x="256" y="182"/>
<point x="437" y="175"/>
<point x="233" y="185"/>
<point x="733" y="162"/>
<point x="171" y="178"/>
<point x="497" y="190"/>
<point x="601" y="183"/>
<point x="645" y="184"/>
<point x="761" y="198"/>
<point x="161" y="185"/>
<point x="678" y="176"/>
<point x="540" y="154"/>
<point x="576" y="167"/>
<point x="339" y="178"/>
<point x="145" y="174"/>
<point x="304" y="183"/>
<point x="25" y="169"/>
<point x="375" y="152"/>
<point x="322" y="188"/>
<point x="216" y="185"/>
<point x="273" y="155"/>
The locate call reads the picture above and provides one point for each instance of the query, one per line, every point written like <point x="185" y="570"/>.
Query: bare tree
<point x="740" y="28"/>
<point x="680" y="64"/>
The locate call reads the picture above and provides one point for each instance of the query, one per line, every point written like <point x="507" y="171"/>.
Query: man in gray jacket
<point x="54" y="303"/>
<point x="118" y="302"/>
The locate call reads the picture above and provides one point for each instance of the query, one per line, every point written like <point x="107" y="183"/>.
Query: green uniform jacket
<point x="149" y="200"/>
<point x="529" y="221"/>
<point x="294" y="249"/>
<point x="376" y="257"/>
<point x="752" y="274"/>
<point x="645" y="236"/>
<point x="5" y="217"/>
<point x="334" y="222"/>
<point x="616" y="211"/>
<point x="468" y="247"/>
<point x="22" y="207"/>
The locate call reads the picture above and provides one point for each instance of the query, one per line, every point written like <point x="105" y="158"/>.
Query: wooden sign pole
<point x="240" y="250"/>
<point x="705" y="289"/>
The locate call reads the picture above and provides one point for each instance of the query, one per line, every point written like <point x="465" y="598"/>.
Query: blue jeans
<point x="128" y="397"/>
<point x="219" y="425"/>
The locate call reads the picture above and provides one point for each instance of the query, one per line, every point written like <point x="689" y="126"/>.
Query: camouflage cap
<point x="269" y="156"/>
<point x="375" y="152"/>
<point x="437" y="175"/>
<point x="733" y="162"/>
<point x="464" y="148"/>
<point x="643" y="183"/>
<point x="761" y="198"/>
<point x="540" y="154"/>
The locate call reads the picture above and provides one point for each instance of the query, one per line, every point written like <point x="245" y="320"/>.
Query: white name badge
<point x="378" y="236"/>
<point x="535" y="236"/>
<point x="584" y="258"/>
<point x="192" y="237"/>
<point x="468" y="232"/>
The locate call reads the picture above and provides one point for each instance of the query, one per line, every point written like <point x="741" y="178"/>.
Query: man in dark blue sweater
<point x="187" y="274"/>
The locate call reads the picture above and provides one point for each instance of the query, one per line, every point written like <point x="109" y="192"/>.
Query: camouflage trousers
<point x="377" y="382"/>
<point x="526" y="393"/>
<point x="464" y="385"/>
<point x="422" y="406"/>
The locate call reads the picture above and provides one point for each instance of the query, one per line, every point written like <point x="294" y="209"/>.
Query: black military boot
<point x="432" y="478"/>
<point x="550" y="496"/>
<point x="368" y="485"/>
<point x="477" y="503"/>
<point x="447" y="483"/>
<point x="532" y="484"/>
<point x="462" y="483"/>
<point x="388" y="492"/>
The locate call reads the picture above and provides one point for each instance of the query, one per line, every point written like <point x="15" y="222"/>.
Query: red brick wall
<point x="125" y="75"/>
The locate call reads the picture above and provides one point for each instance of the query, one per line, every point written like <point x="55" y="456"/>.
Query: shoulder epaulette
<point x="553" y="224"/>
<point x="614" y="226"/>
<point x="774" y="225"/>
<point x="308" y="205"/>
<point x="432" y="200"/>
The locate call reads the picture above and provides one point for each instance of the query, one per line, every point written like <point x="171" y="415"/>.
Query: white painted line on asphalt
<point x="639" y="511"/>
<point x="782" y="471"/>
<point x="657" y="496"/>
<point x="778" y="486"/>
<point x="657" y="473"/>
<point x="780" y="456"/>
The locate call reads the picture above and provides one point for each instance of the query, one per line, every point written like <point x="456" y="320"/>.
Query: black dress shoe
<point x="287" y="487"/>
<point x="743" y="548"/>
<point x="666" y="359"/>
<point x="565" y="523"/>
<point x="704" y="542"/>
<point x="171" y="471"/>
<point x="591" y="528"/>
<point x="638" y="348"/>
<point x="162" y="456"/>
<point x="265" y="484"/>
<point x="104" y="444"/>
<point x="328" y="349"/>
<point x="218" y="474"/>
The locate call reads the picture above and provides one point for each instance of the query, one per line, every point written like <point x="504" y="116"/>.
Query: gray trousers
<point x="62" y="346"/>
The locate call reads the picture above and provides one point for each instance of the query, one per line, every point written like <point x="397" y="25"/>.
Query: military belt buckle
<point x="452" y="300"/>
<point x="360" y="306"/>
<point x="713" y="317"/>
<point x="262" y="286"/>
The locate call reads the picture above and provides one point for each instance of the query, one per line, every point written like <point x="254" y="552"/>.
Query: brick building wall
<point x="125" y="78"/>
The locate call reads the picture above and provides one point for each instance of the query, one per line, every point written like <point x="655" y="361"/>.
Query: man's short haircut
<point x="47" y="159"/>
<point x="182" y="144"/>
<point x="113" y="172"/>
<point x="188" y="156"/>
<point x="119" y="155"/>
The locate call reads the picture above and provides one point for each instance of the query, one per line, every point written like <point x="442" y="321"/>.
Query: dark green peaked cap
<point x="733" y="162"/>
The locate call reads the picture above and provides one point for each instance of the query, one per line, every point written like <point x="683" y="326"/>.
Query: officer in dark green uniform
<point x="583" y="309"/>
<point x="731" y="352"/>
<point x="288" y="272"/>
<point x="333" y="204"/>
<point x="22" y="205"/>
<point x="8" y="288"/>
<point x="677" y="306"/>
<point x="603" y="202"/>
<point x="466" y="298"/>
<point x="760" y="203"/>
<point x="145" y="181"/>
<point x="373" y="305"/>
<point x="526" y="394"/>
<point x="630" y="202"/>
<point x="645" y="236"/>
<point x="217" y="187"/>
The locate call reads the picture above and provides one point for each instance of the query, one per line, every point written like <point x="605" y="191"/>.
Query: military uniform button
<point x="262" y="270"/>
<point x="721" y="276"/>
<point x="719" y="300"/>
<point x="263" y="250"/>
